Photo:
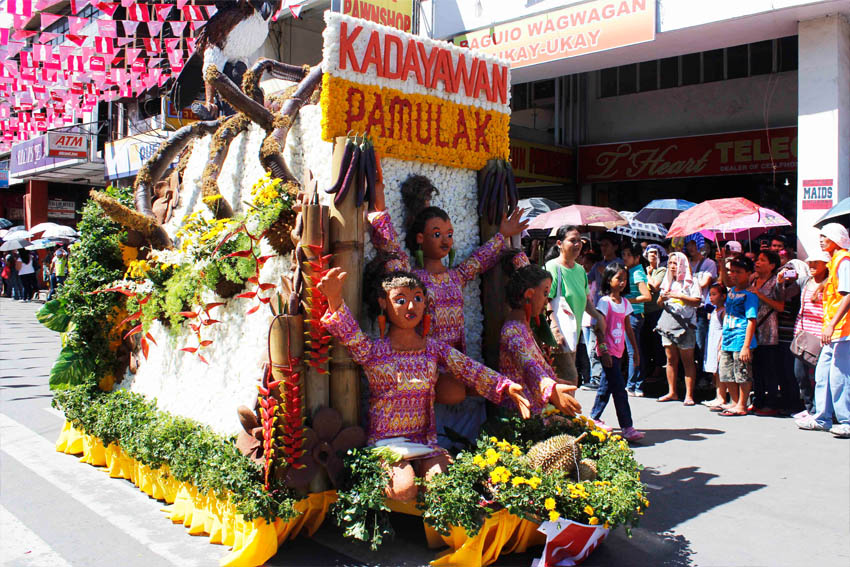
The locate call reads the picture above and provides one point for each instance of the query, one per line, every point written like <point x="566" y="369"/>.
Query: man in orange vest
<point x="832" y="375"/>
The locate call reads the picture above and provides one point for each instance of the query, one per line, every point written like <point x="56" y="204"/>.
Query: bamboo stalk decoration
<point x="493" y="284"/>
<point x="347" y="234"/>
<point x="286" y="347"/>
<point x="312" y="260"/>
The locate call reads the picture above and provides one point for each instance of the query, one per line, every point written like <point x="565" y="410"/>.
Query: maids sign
<point x="63" y="144"/>
<point x="817" y="194"/>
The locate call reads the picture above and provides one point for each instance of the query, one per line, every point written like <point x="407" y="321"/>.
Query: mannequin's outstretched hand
<point x="515" y="392"/>
<point x="513" y="225"/>
<point x="331" y="287"/>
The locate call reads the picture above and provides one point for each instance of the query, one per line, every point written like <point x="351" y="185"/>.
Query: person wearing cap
<point x="58" y="271"/>
<point x="810" y="320"/>
<point x="832" y="373"/>
<point x="733" y="249"/>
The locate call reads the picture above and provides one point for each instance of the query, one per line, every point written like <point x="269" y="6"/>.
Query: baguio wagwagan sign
<point x="733" y="153"/>
<point x="566" y="32"/>
<point x="419" y="99"/>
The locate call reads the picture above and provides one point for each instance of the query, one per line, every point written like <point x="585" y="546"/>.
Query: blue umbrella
<point x="838" y="213"/>
<point x="42" y="243"/>
<point x="5" y="223"/>
<point x="663" y="211"/>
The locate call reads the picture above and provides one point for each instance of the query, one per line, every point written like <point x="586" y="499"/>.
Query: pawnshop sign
<point x="733" y="153"/>
<point x="394" y="13"/>
<point x="566" y="32"/>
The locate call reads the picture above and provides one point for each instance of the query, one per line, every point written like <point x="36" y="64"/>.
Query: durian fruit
<point x="586" y="470"/>
<point x="561" y="452"/>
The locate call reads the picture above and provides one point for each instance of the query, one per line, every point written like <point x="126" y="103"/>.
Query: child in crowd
<point x="717" y="295"/>
<point x="739" y="336"/>
<point x="616" y="309"/>
<point x="638" y="294"/>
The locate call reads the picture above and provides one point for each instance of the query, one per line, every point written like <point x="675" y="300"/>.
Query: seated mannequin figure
<point x="402" y="369"/>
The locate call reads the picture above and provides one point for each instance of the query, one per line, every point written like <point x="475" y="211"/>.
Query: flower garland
<point x="417" y="127"/>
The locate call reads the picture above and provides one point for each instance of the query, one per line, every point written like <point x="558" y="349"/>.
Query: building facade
<point x="677" y="98"/>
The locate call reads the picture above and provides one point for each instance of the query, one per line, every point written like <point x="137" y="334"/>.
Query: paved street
<point x="724" y="492"/>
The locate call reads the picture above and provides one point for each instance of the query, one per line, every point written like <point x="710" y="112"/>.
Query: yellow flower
<point x="606" y="525"/>
<point x="558" y="489"/>
<point x="493" y="440"/>
<point x="645" y="503"/>
<point x="479" y="460"/>
<point x="517" y="480"/>
<point x="588" y="510"/>
<point x="549" y="504"/>
<point x="492" y="456"/>
<point x="499" y="475"/>
<point x="593" y="521"/>
<point x="534" y="482"/>
<point x="554" y="516"/>
<point x="213" y="198"/>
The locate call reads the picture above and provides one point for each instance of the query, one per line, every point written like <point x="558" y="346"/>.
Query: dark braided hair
<point x="377" y="282"/>
<point x="415" y="192"/>
<point x="522" y="279"/>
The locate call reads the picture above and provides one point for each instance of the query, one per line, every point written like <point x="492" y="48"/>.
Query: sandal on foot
<point x="731" y="413"/>
<point x="688" y="403"/>
<point x="667" y="398"/>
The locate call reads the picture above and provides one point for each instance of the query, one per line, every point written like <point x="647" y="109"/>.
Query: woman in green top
<point x="569" y="299"/>
<point x="58" y="271"/>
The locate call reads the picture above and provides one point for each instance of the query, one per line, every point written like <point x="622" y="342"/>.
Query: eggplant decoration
<point x="358" y="171"/>
<point x="497" y="190"/>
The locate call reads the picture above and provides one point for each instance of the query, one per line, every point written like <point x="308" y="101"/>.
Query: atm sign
<point x="817" y="194"/>
<point x="62" y="144"/>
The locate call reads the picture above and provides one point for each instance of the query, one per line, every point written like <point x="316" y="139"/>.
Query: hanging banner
<point x="540" y="163"/>
<point x="394" y="13"/>
<point x="419" y="99"/>
<point x="733" y="153"/>
<point x="566" y="32"/>
<point x="124" y="157"/>
<point x="30" y="156"/>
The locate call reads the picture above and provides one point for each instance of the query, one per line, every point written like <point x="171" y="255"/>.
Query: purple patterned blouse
<point x="521" y="360"/>
<point x="401" y="383"/>
<point x="445" y="289"/>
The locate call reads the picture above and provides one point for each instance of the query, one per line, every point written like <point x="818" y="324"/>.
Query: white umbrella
<point x="17" y="232"/>
<point x="42" y="226"/>
<point x="60" y="231"/>
<point x="640" y="230"/>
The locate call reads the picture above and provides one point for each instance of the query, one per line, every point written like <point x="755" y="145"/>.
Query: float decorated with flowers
<point x="197" y="359"/>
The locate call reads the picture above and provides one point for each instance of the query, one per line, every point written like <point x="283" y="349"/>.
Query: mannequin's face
<point x="404" y="306"/>
<point x="539" y="296"/>
<point x="437" y="238"/>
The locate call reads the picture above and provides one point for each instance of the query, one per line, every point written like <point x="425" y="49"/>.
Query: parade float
<point x="194" y="361"/>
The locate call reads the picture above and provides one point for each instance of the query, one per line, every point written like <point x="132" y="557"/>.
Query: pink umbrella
<point x="709" y="214"/>
<point x="593" y="218"/>
<point x="753" y="224"/>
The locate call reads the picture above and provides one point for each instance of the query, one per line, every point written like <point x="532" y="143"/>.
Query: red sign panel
<point x="733" y="153"/>
<point x="61" y="144"/>
<point x="817" y="194"/>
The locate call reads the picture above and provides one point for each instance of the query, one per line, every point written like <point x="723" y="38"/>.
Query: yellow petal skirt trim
<point x="253" y="542"/>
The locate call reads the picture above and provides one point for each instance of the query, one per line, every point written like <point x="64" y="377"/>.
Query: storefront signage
<point x="124" y="157"/>
<point x="394" y="13"/>
<point x="817" y="194"/>
<point x="59" y="209"/>
<point x="62" y="144"/>
<point x="534" y="163"/>
<point x="30" y="156"/>
<point x="566" y="32"/>
<point x="179" y="118"/>
<point x="734" y="153"/>
<point x="4" y="174"/>
<point x="419" y="99"/>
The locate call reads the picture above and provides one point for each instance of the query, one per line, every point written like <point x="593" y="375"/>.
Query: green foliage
<point x="497" y="474"/>
<point x="54" y="316"/>
<point x="233" y="269"/>
<point x="360" y="509"/>
<point x="193" y="452"/>
<point x="181" y="292"/>
<point x="95" y="261"/>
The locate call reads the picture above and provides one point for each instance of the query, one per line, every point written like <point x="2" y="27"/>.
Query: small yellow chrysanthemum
<point x="558" y="490"/>
<point x="593" y="521"/>
<point x="479" y="460"/>
<point x="534" y="482"/>
<point x="646" y="503"/>
<point x="517" y="480"/>
<point x="606" y="525"/>
<point x="588" y="510"/>
<point x="492" y="456"/>
<point x="549" y="503"/>
<point x="493" y="440"/>
<point x="500" y="475"/>
<point x="554" y="516"/>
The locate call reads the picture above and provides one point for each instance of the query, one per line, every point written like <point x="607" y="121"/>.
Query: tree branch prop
<point x="271" y="152"/>
<point x="153" y="169"/>
<point x="219" y="147"/>
<point x="278" y="70"/>
<point x="149" y="228"/>
<point x="239" y="100"/>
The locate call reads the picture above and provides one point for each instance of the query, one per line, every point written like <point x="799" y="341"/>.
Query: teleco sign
<point x="62" y="144"/>
<point x="817" y="194"/>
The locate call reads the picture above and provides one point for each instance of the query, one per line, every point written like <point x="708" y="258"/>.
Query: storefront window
<point x="608" y="82"/>
<point x="761" y="58"/>
<point x="786" y="54"/>
<point x="627" y="79"/>
<point x="648" y="76"/>
<point x="737" y="62"/>
<point x="712" y="66"/>
<point x="669" y="73"/>
<point x="691" y="68"/>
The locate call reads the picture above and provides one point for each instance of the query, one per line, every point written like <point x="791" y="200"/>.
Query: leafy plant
<point x="360" y="508"/>
<point x="192" y="451"/>
<point x="54" y="316"/>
